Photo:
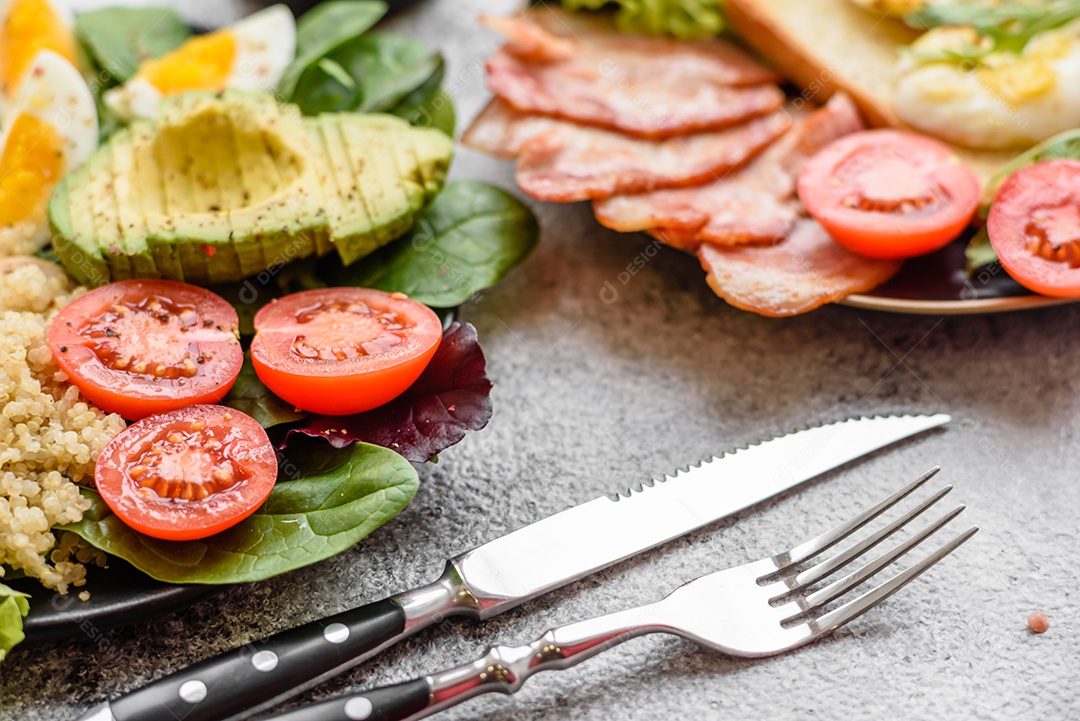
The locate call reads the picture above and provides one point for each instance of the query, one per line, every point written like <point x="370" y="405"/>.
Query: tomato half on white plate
<point x="339" y="351"/>
<point x="888" y="193"/>
<point x="140" y="347"/>
<point x="187" y="474"/>
<point x="1034" y="226"/>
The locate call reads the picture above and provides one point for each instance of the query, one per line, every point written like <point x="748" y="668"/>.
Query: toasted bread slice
<point x="830" y="45"/>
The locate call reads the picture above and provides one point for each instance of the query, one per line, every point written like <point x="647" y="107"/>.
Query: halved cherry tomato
<point x="140" y="347"/>
<point x="343" y="350"/>
<point x="889" y="193"/>
<point x="1034" y="226"/>
<point x="188" y="473"/>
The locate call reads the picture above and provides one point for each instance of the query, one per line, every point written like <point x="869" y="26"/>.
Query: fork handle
<point x="503" y="669"/>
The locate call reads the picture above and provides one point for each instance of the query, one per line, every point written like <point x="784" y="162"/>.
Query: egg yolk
<point x="202" y="63"/>
<point x="31" y="165"/>
<point x="30" y="26"/>
<point x="1023" y="79"/>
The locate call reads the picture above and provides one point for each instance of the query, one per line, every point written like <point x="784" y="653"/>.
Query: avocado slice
<point x="222" y="186"/>
<point x="380" y="163"/>
<point x="74" y="240"/>
<point x="131" y="223"/>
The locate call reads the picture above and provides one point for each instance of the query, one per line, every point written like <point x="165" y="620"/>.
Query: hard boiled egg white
<point x="252" y="54"/>
<point x="1006" y="101"/>
<point x="27" y="27"/>
<point x="51" y="128"/>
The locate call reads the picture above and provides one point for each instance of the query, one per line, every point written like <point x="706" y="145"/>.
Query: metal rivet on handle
<point x="264" y="661"/>
<point x="192" y="691"/>
<point x="358" y="708"/>
<point x="336" y="633"/>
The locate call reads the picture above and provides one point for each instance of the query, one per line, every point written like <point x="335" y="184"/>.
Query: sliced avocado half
<point x="223" y="186"/>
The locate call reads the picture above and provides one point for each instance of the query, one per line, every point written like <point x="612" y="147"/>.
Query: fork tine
<point x="814" y="546"/>
<point x="853" y="579"/>
<point x="858" y="606"/>
<point x="830" y="565"/>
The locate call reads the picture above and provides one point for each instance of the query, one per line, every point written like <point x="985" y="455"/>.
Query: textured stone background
<point x="591" y="396"/>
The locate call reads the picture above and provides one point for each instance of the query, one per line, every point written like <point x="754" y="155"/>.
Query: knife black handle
<point x="389" y="703"/>
<point x="266" y="671"/>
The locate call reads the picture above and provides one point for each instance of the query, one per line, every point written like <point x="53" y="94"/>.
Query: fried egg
<point x="51" y="127"/>
<point x="27" y="27"/>
<point x="1007" y="100"/>
<point x="251" y="54"/>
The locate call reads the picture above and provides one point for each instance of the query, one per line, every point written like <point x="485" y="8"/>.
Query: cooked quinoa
<point x="49" y="436"/>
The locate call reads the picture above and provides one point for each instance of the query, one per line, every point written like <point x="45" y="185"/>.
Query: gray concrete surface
<point x="590" y="396"/>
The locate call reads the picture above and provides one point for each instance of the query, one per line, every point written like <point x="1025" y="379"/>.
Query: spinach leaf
<point x="108" y="121"/>
<point x="119" y="39"/>
<point x="371" y="73"/>
<point x="429" y="106"/>
<point x="338" y="497"/>
<point x="13" y="609"/>
<point x="465" y="241"/>
<point x="326" y="87"/>
<point x="325" y="28"/>
<point x="249" y="395"/>
<point x="387" y="68"/>
<point x="452" y="396"/>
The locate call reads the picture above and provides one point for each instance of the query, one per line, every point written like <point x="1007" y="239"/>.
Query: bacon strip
<point x="650" y="87"/>
<point x="562" y="162"/>
<point x="804" y="271"/>
<point x="754" y="205"/>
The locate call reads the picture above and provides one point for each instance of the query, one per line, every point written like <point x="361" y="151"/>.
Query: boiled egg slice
<point x="51" y="128"/>
<point x="252" y="54"/>
<point x="1007" y="100"/>
<point x="27" y="27"/>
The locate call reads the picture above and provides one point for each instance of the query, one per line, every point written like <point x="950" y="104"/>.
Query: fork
<point x="770" y="606"/>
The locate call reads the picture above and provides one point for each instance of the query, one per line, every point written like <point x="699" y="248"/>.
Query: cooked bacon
<point x="800" y="273"/>
<point x="528" y="40"/>
<point x="754" y="205"/>
<point x="562" y="161"/>
<point x="584" y="71"/>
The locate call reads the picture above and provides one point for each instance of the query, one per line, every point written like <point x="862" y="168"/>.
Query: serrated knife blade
<point x="507" y="571"/>
<point x="581" y="540"/>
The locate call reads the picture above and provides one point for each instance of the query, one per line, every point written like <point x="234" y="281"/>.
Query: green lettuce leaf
<point x="1063" y="146"/>
<point x="1008" y="24"/>
<point x="979" y="253"/>
<point x="120" y="39"/>
<point x="13" y="609"/>
<point x="324" y="502"/>
<point x="471" y="236"/>
<point x="685" y="19"/>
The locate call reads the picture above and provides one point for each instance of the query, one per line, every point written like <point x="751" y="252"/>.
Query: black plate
<point x="937" y="284"/>
<point x="119" y="594"/>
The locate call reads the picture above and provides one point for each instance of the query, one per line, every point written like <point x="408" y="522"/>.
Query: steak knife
<point x="508" y="571"/>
